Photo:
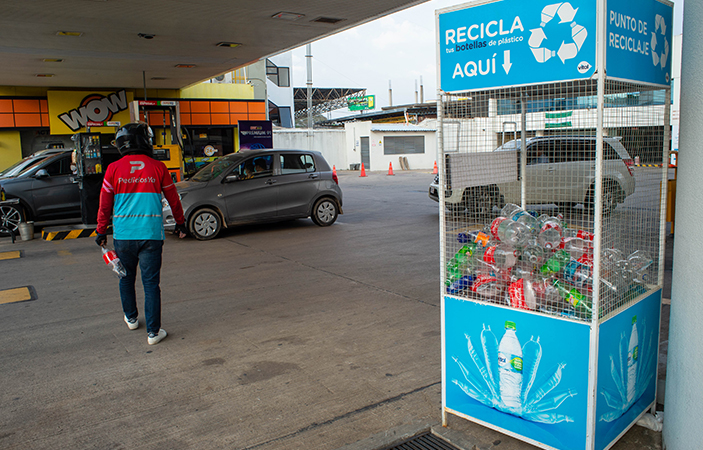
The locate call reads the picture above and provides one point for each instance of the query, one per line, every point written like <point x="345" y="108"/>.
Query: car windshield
<point x="31" y="166"/>
<point x="213" y="170"/>
<point x="18" y="167"/>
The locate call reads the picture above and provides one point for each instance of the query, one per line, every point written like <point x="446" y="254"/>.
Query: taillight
<point x="334" y="177"/>
<point x="630" y="166"/>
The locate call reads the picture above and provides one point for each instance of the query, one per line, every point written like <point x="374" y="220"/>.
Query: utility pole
<point x="308" y="57"/>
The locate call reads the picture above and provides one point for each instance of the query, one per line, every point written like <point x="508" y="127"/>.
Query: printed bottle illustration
<point x="510" y="367"/>
<point x="505" y="377"/>
<point x="631" y="370"/>
<point x="632" y="357"/>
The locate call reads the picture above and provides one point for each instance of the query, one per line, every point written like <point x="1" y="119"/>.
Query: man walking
<point x="133" y="187"/>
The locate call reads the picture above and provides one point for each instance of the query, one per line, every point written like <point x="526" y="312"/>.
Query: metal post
<point x="523" y="150"/>
<point x="390" y="94"/>
<point x="422" y="91"/>
<point x="308" y="57"/>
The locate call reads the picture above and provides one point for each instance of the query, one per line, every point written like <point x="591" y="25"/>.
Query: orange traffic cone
<point x="435" y="171"/>
<point x="363" y="172"/>
<point x="390" y="169"/>
<point x="334" y="171"/>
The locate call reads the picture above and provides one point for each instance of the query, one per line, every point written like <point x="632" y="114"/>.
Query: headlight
<point x="164" y="202"/>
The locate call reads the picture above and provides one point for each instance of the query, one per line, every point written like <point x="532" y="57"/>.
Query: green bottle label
<point x="516" y="363"/>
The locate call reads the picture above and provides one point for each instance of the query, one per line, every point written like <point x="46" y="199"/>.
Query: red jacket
<point x="133" y="186"/>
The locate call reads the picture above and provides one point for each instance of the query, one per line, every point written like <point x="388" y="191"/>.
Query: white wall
<point x="684" y="394"/>
<point x="380" y="161"/>
<point x="331" y="143"/>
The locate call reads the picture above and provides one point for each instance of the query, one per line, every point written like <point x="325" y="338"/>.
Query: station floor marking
<point x="19" y="294"/>
<point x="9" y="255"/>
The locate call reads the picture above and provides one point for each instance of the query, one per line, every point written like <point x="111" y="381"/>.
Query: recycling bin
<point x="552" y="238"/>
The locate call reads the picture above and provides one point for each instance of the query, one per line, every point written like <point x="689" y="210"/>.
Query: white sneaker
<point x="133" y="324"/>
<point x="154" y="338"/>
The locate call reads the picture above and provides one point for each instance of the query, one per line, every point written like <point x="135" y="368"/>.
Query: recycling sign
<point x="639" y="40"/>
<point x="515" y="42"/>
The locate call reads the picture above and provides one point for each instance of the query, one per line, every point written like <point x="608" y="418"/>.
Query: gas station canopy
<point x="169" y="44"/>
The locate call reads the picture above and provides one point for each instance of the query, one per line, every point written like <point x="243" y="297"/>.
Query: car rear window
<point x="297" y="163"/>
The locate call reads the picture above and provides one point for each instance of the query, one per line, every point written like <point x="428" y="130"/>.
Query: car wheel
<point x="325" y="212"/>
<point x="482" y="199"/>
<point x="205" y="224"/>
<point x="10" y="218"/>
<point x="611" y="195"/>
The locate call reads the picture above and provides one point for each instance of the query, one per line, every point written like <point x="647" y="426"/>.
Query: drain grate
<point x="425" y="441"/>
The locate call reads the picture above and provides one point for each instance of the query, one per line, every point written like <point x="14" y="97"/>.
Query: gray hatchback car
<point x="258" y="186"/>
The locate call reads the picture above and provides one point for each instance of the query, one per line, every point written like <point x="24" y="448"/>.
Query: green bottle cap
<point x="510" y="324"/>
<point x="634" y="320"/>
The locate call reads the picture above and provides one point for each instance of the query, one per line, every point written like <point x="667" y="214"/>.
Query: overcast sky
<point x="399" y="47"/>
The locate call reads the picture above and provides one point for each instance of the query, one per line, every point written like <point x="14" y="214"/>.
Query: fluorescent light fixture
<point x="287" y="16"/>
<point x="185" y="66"/>
<point x="228" y="44"/>
<point x="69" y="33"/>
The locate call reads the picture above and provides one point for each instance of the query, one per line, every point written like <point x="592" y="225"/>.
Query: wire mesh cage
<point x="540" y="214"/>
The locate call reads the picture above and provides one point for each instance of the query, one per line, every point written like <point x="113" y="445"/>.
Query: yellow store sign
<point x="71" y="111"/>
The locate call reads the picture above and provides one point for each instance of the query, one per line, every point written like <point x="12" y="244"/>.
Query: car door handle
<point x="270" y="181"/>
<point x="313" y="175"/>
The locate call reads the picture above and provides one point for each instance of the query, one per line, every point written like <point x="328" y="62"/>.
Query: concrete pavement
<point x="282" y="336"/>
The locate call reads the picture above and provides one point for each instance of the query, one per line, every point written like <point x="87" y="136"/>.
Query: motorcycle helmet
<point x="135" y="137"/>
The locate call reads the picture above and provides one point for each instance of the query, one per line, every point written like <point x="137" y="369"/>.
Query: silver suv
<point x="560" y="170"/>
<point x="258" y="186"/>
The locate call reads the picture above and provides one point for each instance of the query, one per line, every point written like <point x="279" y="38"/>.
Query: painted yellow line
<point x="15" y="295"/>
<point x="9" y="255"/>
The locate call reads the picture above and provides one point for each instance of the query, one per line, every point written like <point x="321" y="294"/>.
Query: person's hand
<point x="180" y="230"/>
<point x="101" y="240"/>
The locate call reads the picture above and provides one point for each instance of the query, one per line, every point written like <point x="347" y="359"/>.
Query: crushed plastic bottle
<point x="578" y="274"/>
<point x="550" y="232"/>
<point x="533" y="254"/>
<point x="510" y="232"/>
<point x="572" y="296"/>
<point x="486" y="286"/>
<point x="502" y="256"/>
<point x="113" y="262"/>
<point x="556" y="263"/>
<point x="516" y="213"/>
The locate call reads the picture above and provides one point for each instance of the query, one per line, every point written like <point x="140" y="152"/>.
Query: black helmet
<point x="135" y="137"/>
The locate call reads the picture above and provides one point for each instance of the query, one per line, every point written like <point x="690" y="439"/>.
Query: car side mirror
<point x="231" y="178"/>
<point x="41" y="173"/>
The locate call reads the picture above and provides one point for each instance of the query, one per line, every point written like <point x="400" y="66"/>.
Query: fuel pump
<point x="89" y="174"/>
<point x="168" y="147"/>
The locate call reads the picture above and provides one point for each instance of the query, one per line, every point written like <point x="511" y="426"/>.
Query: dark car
<point x="46" y="190"/>
<point x="258" y="186"/>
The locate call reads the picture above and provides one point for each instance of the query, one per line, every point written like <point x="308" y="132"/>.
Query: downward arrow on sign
<point x="506" y="63"/>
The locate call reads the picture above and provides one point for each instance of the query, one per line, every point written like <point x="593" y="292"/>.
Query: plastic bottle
<point x="510" y="232"/>
<point x="533" y="254"/>
<point x="510" y="367"/>
<point x="113" y="262"/>
<point x="556" y="263"/>
<point x="457" y="265"/>
<point x="574" y="245"/>
<point x="572" y="296"/>
<point x="516" y="213"/>
<point x="502" y="256"/>
<point x="486" y="286"/>
<point x="578" y="274"/>
<point x="550" y="232"/>
<point x="632" y="358"/>
<point x="522" y="295"/>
